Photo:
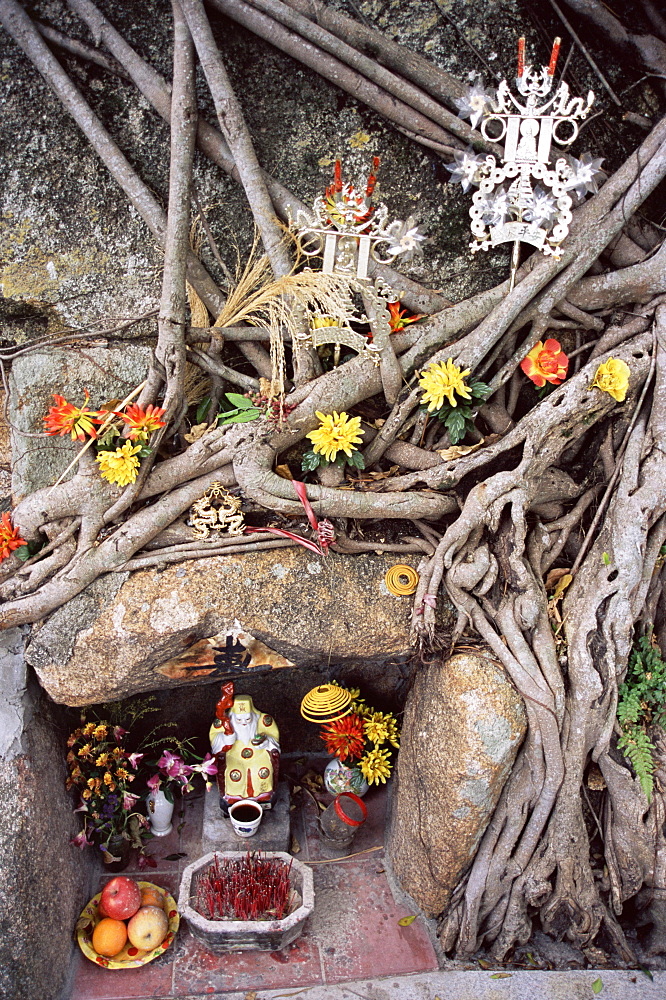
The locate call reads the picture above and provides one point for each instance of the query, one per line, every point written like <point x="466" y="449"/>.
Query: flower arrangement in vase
<point x="102" y="770"/>
<point x="173" y="773"/>
<point x="364" y="737"/>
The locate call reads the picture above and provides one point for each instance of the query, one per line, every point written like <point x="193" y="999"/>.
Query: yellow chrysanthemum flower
<point x="440" y="381"/>
<point x="336" y="432"/>
<point x="122" y="773"/>
<point x="102" y="760"/>
<point x="88" y="729"/>
<point x="100" y="732"/>
<point x="613" y="377"/>
<point x="119" y="466"/>
<point x="375" y="729"/>
<point x="376" y="766"/>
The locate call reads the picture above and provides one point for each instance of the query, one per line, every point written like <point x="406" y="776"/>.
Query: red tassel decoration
<point x="521" y="57"/>
<point x="553" y="56"/>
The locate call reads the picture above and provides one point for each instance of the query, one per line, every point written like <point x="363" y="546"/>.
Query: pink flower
<point x="154" y="782"/>
<point x="81" y="840"/>
<point x="147" y="861"/>
<point x="129" y="798"/>
<point x="119" y="732"/>
<point x="134" y="758"/>
<point x="81" y="808"/>
<point x="207" y="765"/>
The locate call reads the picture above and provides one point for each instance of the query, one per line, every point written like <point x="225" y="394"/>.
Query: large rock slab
<point x="121" y="635"/>
<point x="44" y="881"/>
<point x="463" y="724"/>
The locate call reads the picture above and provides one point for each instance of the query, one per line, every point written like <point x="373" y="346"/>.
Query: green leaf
<point x="484" y="964"/>
<point x="479" y="390"/>
<point x="501" y="975"/>
<point x="240" y="402"/>
<point x="310" y="461"/>
<point x="456" y="425"/>
<point x="238" y="416"/>
<point x="202" y="410"/>
<point x="646" y="972"/>
<point x="22" y="553"/>
<point x="605" y="558"/>
<point x="356" y="459"/>
<point x="145" y="451"/>
<point x="175" y="857"/>
<point x="597" y="985"/>
<point x="406" y="921"/>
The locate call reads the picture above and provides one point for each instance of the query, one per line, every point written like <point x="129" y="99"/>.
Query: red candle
<point x="521" y="57"/>
<point x="553" y="56"/>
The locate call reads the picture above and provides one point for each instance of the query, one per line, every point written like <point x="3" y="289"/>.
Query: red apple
<point x="148" y="927"/>
<point x="121" y="897"/>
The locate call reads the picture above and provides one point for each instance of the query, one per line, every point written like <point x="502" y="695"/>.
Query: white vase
<point x="339" y="777"/>
<point x="160" y="811"/>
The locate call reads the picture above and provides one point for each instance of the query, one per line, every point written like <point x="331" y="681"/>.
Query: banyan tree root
<point x="535" y="852"/>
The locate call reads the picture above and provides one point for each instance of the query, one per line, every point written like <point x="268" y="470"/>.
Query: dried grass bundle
<point x="283" y="304"/>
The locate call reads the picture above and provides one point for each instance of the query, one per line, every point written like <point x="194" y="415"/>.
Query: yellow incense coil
<point x="401" y="580"/>
<point x="326" y="703"/>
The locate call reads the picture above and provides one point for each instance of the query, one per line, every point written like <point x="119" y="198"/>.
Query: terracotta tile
<point x="94" y="983"/>
<point x="355" y="923"/>
<point x="199" y="971"/>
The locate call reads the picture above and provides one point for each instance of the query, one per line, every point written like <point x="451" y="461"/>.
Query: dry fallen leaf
<point x="294" y="847"/>
<point x="196" y="432"/>
<point x="501" y="975"/>
<point x="252" y="995"/>
<point x="283" y="471"/>
<point x="554" y="576"/>
<point x="406" y="921"/>
<point x="458" y="450"/>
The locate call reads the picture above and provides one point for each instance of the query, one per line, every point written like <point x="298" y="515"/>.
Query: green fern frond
<point x="637" y="747"/>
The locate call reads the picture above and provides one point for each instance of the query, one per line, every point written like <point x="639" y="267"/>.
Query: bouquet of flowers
<point x="365" y="736"/>
<point x="102" y="770"/>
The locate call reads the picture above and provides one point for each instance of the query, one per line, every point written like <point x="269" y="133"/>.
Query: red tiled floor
<point x="198" y="971"/>
<point x="355" y="922"/>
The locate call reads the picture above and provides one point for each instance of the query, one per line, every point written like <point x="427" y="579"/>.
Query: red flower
<point x="400" y="318"/>
<point x="65" y="418"/>
<point x="9" y="537"/>
<point x="142" y="422"/>
<point x="344" y="737"/>
<point x="546" y="363"/>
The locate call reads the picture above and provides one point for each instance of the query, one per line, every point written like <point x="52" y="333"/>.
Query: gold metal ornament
<point x="401" y="580"/>
<point x="217" y="510"/>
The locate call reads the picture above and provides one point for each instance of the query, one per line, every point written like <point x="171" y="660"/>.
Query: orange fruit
<point x="109" y="937"/>
<point x="151" y="896"/>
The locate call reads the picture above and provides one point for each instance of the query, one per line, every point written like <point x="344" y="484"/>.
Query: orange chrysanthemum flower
<point x="344" y="737"/>
<point x="546" y="363"/>
<point x="77" y="421"/>
<point x="9" y="537"/>
<point x="142" y="422"/>
<point x="400" y="318"/>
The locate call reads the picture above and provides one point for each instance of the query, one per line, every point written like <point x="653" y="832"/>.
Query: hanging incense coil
<point x="401" y="581"/>
<point x="326" y="703"/>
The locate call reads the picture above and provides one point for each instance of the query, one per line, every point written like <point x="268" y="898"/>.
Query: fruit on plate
<point x="151" y="896"/>
<point x="121" y="897"/>
<point x="109" y="937"/>
<point x="148" y="927"/>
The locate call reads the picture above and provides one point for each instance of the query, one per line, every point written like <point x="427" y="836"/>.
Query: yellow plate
<point x="130" y="957"/>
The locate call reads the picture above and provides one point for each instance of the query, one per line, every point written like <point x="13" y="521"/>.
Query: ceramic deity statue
<point x="247" y="750"/>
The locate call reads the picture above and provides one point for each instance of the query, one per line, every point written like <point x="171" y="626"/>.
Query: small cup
<point x="245" y="816"/>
